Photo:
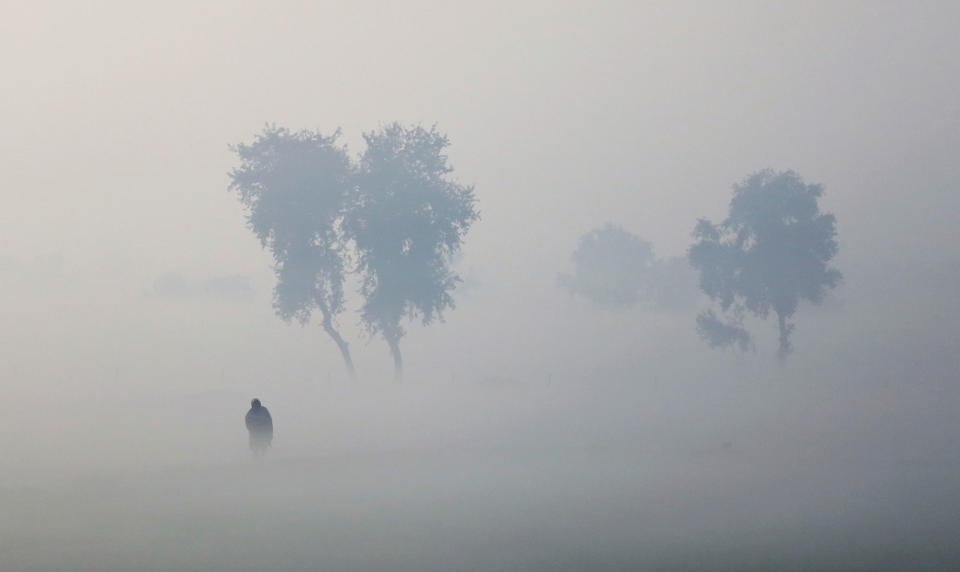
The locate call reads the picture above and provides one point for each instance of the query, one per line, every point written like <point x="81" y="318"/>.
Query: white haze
<point x="531" y="431"/>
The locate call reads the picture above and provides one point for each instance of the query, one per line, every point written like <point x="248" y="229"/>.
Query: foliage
<point x="407" y="219"/>
<point x="295" y="186"/>
<point x="721" y="334"/>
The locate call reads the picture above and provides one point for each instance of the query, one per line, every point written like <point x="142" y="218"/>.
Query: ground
<point x="494" y="509"/>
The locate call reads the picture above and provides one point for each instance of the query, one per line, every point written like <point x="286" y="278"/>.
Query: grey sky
<point x="579" y="113"/>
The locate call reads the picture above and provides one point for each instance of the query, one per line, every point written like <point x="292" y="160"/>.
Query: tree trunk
<point x="341" y="343"/>
<point x="785" y="329"/>
<point x="394" y="344"/>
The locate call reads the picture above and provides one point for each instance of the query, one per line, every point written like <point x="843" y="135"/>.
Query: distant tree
<point x="771" y="251"/>
<point x="408" y="218"/>
<point x="611" y="267"/>
<point x="295" y="186"/>
<point x="616" y="269"/>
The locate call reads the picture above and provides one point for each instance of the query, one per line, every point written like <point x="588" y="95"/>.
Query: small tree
<point x="295" y="187"/>
<point x="408" y="219"/>
<point x="772" y="250"/>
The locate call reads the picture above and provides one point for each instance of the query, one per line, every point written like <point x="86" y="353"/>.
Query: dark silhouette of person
<point x="260" y="426"/>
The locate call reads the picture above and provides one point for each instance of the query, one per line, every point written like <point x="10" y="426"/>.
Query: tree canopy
<point x="771" y="251"/>
<point x="296" y="187"/>
<point x="407" y="219"/>
<point x="396" y="213"/>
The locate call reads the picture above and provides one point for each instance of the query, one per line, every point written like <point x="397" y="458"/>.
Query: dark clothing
<point x="260" y="425"/>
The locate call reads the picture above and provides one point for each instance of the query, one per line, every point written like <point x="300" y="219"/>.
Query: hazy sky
<point x="117" y="118"/>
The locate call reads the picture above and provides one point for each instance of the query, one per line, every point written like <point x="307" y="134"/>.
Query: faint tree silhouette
<point x="611" y="267"/>
<point x="615" y="270"/>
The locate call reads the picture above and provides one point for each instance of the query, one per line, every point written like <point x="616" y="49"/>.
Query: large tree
<point x="408" y="218"/>
<point x="295" y="186"/>
<point x="771" y="251"/>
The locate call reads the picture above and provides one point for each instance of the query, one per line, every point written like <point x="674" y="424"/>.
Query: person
<point x="260" y="426"/>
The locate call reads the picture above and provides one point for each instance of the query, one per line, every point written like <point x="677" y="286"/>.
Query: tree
<point x="611" y="267"/>
<point x="771" y="251"/>
<point x="616" y="269"/>
<point x="295" y="187"/>
<point x="408" y="218"/>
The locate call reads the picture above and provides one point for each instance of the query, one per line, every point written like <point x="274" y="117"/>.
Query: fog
<point x="531" y="429"/>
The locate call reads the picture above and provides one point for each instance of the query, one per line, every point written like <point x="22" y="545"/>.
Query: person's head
<point x="255" y="403"/>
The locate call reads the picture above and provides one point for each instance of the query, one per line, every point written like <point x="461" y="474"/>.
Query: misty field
<point x="551" y="487"/>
